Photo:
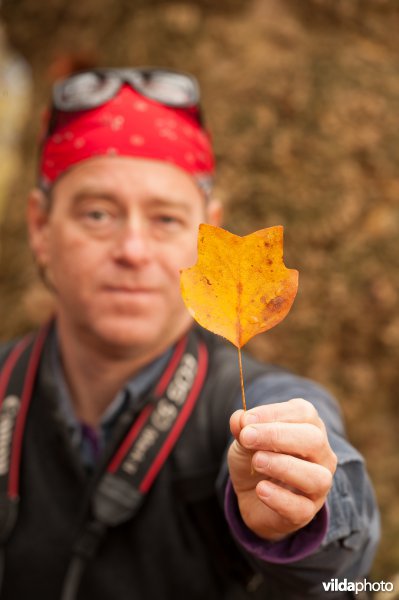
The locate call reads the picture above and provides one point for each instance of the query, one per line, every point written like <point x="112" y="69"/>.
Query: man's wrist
<point x="292" y="548"/>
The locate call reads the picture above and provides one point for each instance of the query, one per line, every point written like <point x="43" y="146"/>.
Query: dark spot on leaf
<point x="239" y="287"/>
<point x="275" y="304"/>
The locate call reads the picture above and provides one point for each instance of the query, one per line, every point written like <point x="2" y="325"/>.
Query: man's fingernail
<point x="249" y="436"/>
<point x="250" y="418"/>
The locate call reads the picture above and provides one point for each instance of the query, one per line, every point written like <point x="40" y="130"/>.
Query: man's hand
<point x="281" y="466"/>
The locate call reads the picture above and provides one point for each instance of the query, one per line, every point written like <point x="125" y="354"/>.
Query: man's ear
<point x="38" y="218"/>
<point x="214" y="212"/>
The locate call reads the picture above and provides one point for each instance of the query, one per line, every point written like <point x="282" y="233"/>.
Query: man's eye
<point x="97" y="215"/>
<point x="97" y="218"/>
<point x="167" y="219"/>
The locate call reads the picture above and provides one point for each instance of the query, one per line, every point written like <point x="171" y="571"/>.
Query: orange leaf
<point x="240" y="285"/>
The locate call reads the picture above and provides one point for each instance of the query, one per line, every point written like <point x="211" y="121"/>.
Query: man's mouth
<point x="134" y="291"/>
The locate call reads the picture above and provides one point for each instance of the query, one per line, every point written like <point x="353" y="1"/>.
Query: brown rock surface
<point x="302" y="99"/>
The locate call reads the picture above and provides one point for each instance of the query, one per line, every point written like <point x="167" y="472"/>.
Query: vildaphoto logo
<point x="343" y="585"/>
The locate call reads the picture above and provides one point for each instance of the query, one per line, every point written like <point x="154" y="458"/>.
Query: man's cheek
<point x="185" y="260"/>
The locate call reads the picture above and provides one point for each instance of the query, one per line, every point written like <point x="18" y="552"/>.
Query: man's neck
<point x="95" y="375"/>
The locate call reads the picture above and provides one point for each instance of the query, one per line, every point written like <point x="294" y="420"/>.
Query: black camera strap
<point x="132" y="470"/>
<point x="17" y="378"/>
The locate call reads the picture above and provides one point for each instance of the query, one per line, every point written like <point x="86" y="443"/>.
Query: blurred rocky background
<point x="302" y="99"/>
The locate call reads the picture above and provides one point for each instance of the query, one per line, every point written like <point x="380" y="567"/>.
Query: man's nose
<point x="133" y="244"/>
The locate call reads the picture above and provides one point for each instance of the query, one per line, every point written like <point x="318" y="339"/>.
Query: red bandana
<point x="127" y="125"/>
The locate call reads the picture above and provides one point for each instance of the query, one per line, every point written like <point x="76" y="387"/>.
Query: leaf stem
<point x="244" y="404"/>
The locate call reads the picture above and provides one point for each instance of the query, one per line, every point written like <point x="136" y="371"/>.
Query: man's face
<point x="112" y="243"/>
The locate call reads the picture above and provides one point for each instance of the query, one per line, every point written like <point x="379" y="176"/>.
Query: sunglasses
<point x="89" y="89"/>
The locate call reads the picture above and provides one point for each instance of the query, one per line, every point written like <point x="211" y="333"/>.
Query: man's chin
<point x="125" y="333"/>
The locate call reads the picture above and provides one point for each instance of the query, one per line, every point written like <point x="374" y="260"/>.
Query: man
<point x="128" y="480"/>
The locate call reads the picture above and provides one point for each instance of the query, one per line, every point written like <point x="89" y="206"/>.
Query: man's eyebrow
<point x="162" y="201"/>
<point x="91" y="192"/>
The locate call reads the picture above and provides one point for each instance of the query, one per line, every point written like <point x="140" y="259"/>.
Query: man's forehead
<point x="118" y="176"/>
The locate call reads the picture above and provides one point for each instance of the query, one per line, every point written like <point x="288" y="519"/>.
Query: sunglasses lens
<point x="167" y="87"/>
<point x="85" y="90"/>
